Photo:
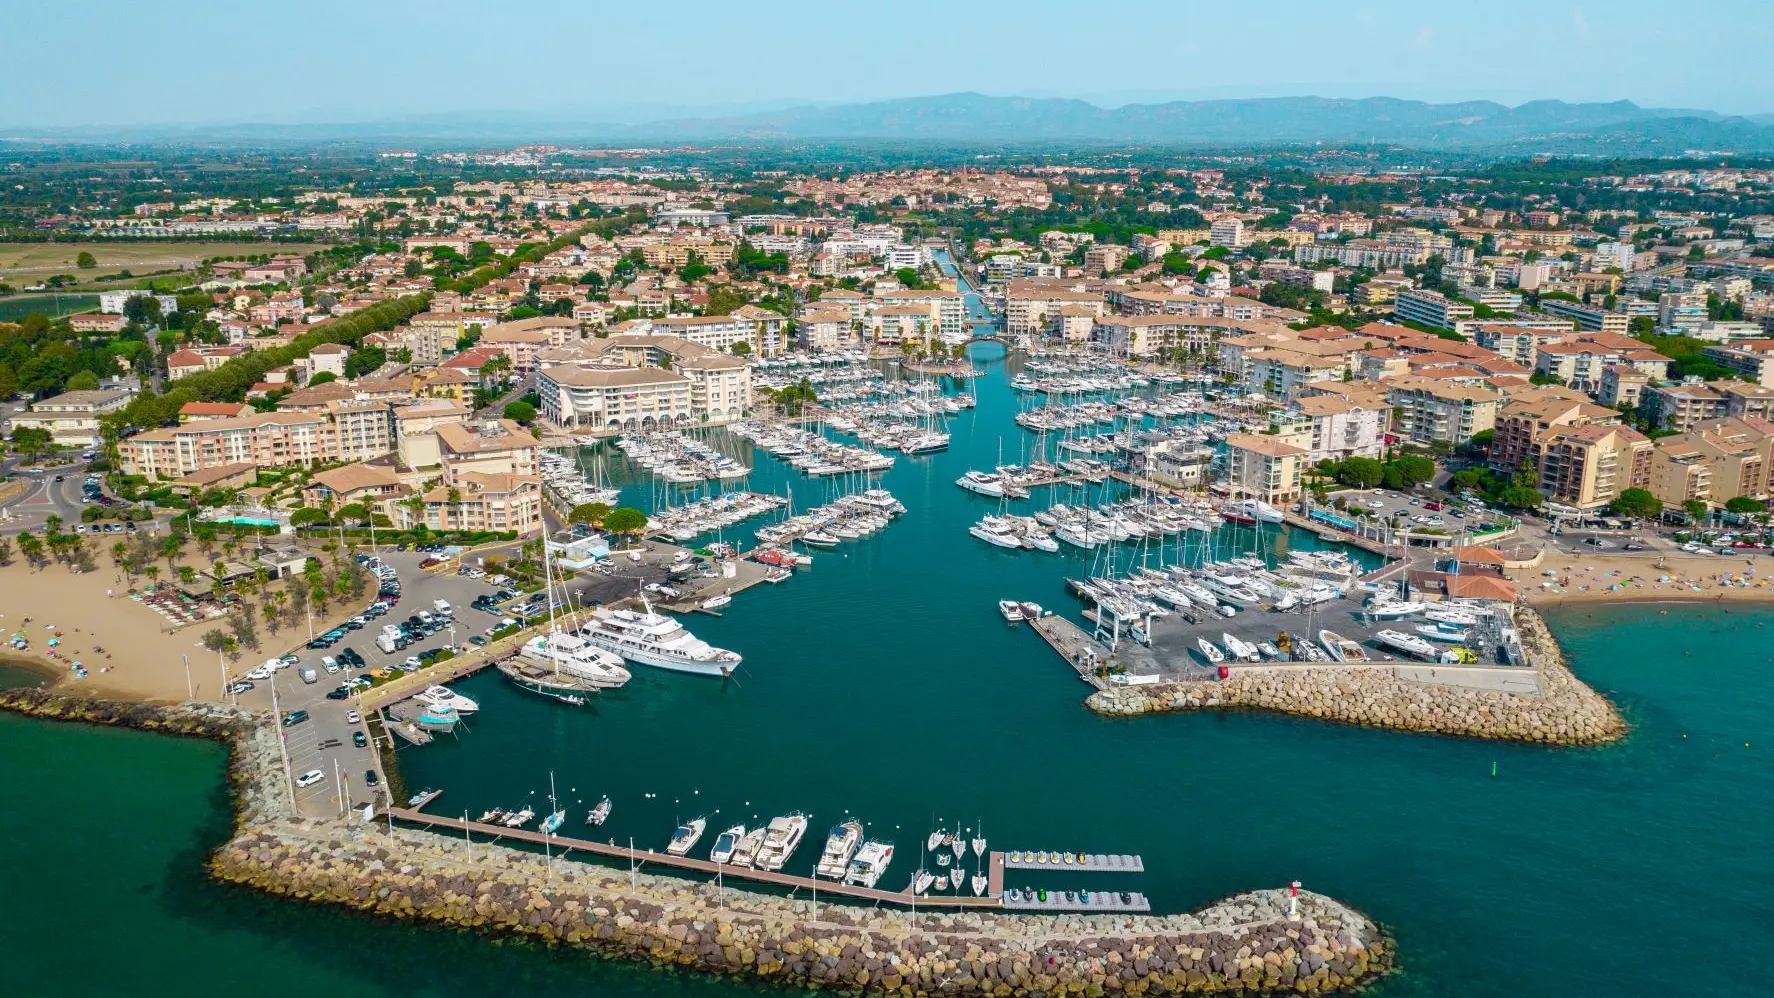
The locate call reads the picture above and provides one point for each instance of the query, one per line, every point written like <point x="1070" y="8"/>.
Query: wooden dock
<point x="563" y="845"/>
<point x="1086" y="862"/>
<point x="1079" y="649"/>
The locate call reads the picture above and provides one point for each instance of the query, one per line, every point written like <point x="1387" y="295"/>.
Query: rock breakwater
<point x="1566" y="712"/>
<point x="1246" y="943"/>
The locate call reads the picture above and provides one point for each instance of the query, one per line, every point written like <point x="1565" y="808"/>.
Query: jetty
<point x="562" y="845"/>
<point x="1089" y="862"/>
<point x="1083" y="652"/>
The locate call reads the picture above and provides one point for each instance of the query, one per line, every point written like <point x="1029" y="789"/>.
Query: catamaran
<point x="684" y="839"/>
<point x="840" y="844"/>
<point x="870" y="862"/>
<point x="653" y="639"/>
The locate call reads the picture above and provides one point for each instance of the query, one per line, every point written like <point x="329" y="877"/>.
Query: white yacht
<point x="1240" y="649"/>
<point x="684" y="839"/>
<point x="993" y="530"/>
<point x="1393" y="609"/>
<point x="840" y="845"/>
<point x="725" y="843"/>
<point x="1213" y="655"/>
<point x="747" y="851"/>
<point x="870" y="862"/>
<point x="1341" y="648"/>
<point x="780" y="840"/>
<point x="984" y="483"/>
<point x="1409" y="644"/>
<point x="578" y="658"/>
<point x="651" y="638"/>
<point x="443" y="696"/>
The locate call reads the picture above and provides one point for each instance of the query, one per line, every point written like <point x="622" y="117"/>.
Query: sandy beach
<point x="1583" y="578"/>
<point x="128" y="649"/>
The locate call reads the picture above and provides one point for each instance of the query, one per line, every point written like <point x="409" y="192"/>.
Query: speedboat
<point x="820" y="538"/>
<point x="1341" y="648"/>
<point x="994" y="530"/>
<point x="725" y="843"/>
<point x="840" y="844"/>
<point x="1213" y="655"/>
<point x="1011" y="610"/>
<point x="747" y="851"/>
<point x="684" y="839"/>
<point x="443" y="696"/>
<point x="599" y="813"/>
<point x="869" y="863"/>
<point x="518" y="819"/>
<point x="716" y="602"/>
<point x="1239" y="649"/>
<point x="984" y="483"/>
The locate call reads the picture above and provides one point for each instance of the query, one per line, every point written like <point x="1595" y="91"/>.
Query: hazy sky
<point x="208" y="61"/>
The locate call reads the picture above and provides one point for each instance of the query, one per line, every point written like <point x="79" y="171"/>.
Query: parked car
<point x="310" y="778"/>
<point x="292" y="718"/>
<point x="358" y="739"/>
<point x="352" y="717"/>
<point x="239" y="687"/>
<point x="369" y="777"/>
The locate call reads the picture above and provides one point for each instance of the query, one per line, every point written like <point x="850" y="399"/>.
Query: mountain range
<point x="971" y="119"/>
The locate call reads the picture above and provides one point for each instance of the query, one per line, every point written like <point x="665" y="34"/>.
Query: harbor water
<point x="882" y="684"/>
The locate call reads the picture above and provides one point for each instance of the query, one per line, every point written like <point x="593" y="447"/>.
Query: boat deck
<point x="1090" y="862"/>
<point x="564" y="845"/>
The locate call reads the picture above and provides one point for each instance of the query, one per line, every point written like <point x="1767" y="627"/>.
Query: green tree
<point x="1744" y="504"/>
<point x="30" y="439"/>
<point x="625" y="520"/>
<point x="1361" y="472"/>
<point x="1695" y="508"/>
<point x="82" y="381"/>
<point x="85" y="261"/>
<point x="521" y="411"/>
<point x="591" y="513"/>
<point x="1638" y="503"/>
<point x="321" y="378"/>
<point x="1520" y="497"/>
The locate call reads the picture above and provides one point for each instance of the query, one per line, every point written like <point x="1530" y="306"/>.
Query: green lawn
<point x="18" y="306"/>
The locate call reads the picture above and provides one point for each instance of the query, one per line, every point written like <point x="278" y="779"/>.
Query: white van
<point x="441" y="606"/>
<point x="308" y="675"/>
<point x="330" y="664"/>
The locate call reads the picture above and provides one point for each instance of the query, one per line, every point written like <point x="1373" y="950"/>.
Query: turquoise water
<point x="882" y="684"/>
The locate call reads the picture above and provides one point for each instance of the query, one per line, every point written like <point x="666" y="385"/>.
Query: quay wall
<point x="1567" y="712"/>
<point x="1245" y="943"/>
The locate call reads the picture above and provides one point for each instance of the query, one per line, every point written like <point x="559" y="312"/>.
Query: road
<point x="43" y="496"/>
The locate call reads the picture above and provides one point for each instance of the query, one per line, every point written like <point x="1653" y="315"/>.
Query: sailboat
<point x="561" y="665"/>
<point x="557" y="814"/>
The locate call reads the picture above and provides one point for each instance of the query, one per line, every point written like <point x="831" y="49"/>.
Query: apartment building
<point x="1751" y="360"/>
<point x="490" y="447"/>
<point x="1149" y="335"/>
<point x="1589" y="466"/>
<point x="72" y="418"/>
<point x="1520" y="344"/>
<point x="1525" y="423"/>
<point x="481" y="502"/>
<point x="1282" y="371"/>
<point x="1715" y="462"/>
<point x="1331" y="428"/>
<point x="1682" y="407"/>
<point x="720" y="386"/>
<point x="824" y="330"/>
<point x="1030" y="305"/>
<point x="716" y="332"/>
<point x="614" y="400"/>
<point x="1587" y="317"/>
<point x="1228" y="232"/>
<point x="415" y="430"/>
<point x="339" y="432"/>
<point x="1431" y="308"/>
<point x="1263" y="466"/>
<point x="1621" y="385"/>
<point x="767" y="329"/>
<point x="523" y="339"/>
<point x="897" y="325"/>
<point x="1580" y="360"/>
<point x="1428" y="411"/>
<point x="950" y="309"/>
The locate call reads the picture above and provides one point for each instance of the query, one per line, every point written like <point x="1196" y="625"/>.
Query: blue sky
<point x="108" y="62"/>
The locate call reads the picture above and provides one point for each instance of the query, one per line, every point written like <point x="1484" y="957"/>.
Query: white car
<point x="352" y="717"/>
<point x="259" y="674"/>
<point x="310" y="778"/>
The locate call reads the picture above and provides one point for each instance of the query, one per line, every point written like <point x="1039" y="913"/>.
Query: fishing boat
<point x="870" y="862"/>
<point x="599" y="813"/>
<point x="518" y="819"/>
<point x="781" y="839"/>
<point x="1213" y="655"/>
<point x="716" y="602"/>
<point x="746" y="853"/>
<point x="1408" y="644"/>
<point x="725" y="843"/>
<point x="1011" y="610"/>
<point x="1340" y="648"/>
<point x="684" y="839"/>
<point x="841" y="843"/>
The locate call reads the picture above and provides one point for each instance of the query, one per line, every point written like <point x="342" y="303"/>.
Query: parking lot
<point x="1416" y="510"/>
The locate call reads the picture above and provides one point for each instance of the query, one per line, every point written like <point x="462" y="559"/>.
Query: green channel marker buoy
<point x="1493" y="769"/>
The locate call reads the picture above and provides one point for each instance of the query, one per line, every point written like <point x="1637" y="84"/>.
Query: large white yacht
<point x="982" y="482"/>
<point x="780" y="840"/>
<point x="650" y="638"/>
<point x="443" y="696"/>
<point x="994" y="530"/>
<point x="870" y="862"/>
<point x="840" y="845"/>
<point x="574" y="656"/>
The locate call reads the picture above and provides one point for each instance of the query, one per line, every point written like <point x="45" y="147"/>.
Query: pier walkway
<point x="638" y="857"/>
<point x="1079" y="649"/>
<point x="1084" y="862"/>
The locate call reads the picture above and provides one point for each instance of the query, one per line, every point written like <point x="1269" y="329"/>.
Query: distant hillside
<point x="963" y="118"/>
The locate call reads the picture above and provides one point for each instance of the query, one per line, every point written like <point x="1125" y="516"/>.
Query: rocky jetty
<point x="1567" y="712"/>
<point x="1246" y="943"/>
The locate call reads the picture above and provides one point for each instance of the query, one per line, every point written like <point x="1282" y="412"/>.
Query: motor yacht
<point x="1340" y="648"/>
<point x="840" y="844"/>
<point x="870" y="862"/>
<point x="443" y="696"/>
<point x="725" y="843"/>
<point x="1408" y="644"/>
<point x="684" y="839"/>
<point x="994" y="530"/>
<point x="781" y="838"/>
<point x="650" y="638"/>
